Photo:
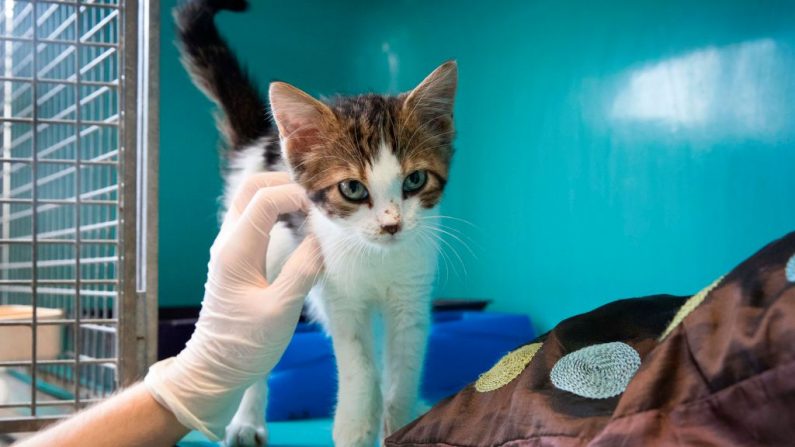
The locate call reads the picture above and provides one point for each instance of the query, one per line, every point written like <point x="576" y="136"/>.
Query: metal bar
<point x="58" y="201"/>
<point x="67" y="81"/>
<point x="60" y="161"/>
<point x="59" y="291"/>
<point x="34" y="254"/>
<point x="77" y="3"/>
<point x="88" y="361"/>
<point x="56" y="282"/>
<point x="60" y="241"/>
<point x="78" y="187"/>
<point x="58" y="262"/>
<point x="150" y="165"/>
<point x="130" y="357"/>
<point x="16" y="405"/>
<point x="4" y="323"/>
<point x="57" y="121"/>
<point x="51" y="403"/>
<point x="8" y="144"/>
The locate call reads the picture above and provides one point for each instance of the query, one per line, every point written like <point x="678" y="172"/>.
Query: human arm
<point x="130" y="418"/>
<point x="243" y="329"/>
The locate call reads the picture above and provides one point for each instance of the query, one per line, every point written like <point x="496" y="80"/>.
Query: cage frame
<point x="136" y="320"/>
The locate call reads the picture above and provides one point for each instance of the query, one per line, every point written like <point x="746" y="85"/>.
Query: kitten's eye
<point x="353" y="190"/>
<point x="415" y="181"/>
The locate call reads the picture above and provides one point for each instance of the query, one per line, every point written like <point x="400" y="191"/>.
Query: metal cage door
<point x="77" y="211"/>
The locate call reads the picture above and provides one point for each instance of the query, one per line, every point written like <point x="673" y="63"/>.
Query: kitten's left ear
<point x="433" y="98"/>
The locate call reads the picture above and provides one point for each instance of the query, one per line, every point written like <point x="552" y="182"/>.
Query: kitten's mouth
<point x="385" y="240"/>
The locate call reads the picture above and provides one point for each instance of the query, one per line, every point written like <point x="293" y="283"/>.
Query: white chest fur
<point x="358" y="275"/>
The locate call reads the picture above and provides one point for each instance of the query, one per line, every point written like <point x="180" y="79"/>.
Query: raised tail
<point x="217" y="72"/>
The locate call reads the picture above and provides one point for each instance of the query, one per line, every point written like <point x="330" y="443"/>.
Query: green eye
<point x="415" y="181"/>
<point x="353" y="190"/>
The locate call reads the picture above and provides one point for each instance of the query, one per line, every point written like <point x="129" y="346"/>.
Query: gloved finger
<point x="250" y="235"/>
<point x="246" y="191"/>
<point x="299" y="273"/>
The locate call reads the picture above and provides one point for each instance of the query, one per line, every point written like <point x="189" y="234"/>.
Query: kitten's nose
<point x="391" y="229"/>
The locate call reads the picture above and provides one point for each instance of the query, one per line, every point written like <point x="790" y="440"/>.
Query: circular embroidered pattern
<point x="791" y="269"/>
<point x="507" y="369"/>
<point x="598" y="371"/>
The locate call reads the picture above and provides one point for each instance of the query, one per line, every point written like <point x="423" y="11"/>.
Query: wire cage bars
<point x="72" y="313"/>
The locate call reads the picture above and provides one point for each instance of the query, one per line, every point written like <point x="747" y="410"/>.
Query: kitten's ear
<point x="433" y="98"/>
<point x="300" y="118"/>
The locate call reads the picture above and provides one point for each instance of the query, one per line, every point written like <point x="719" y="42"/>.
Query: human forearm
<point x="130" y="418"/>
<point x="242" y="331"/>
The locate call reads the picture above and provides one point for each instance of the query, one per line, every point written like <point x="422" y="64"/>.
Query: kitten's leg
<point x="248" y="425"/>
<point x="407" y="318"/>
<point x="356" y="420"/>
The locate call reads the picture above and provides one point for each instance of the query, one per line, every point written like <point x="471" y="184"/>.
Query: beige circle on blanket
<point x="507" y="369"/>
<point x="690" y="305"/>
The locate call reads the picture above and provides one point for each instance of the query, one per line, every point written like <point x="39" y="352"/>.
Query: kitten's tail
<point x="217" y="72"/>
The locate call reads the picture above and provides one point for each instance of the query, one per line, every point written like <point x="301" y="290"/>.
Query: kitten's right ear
<point x="301" y="120"/>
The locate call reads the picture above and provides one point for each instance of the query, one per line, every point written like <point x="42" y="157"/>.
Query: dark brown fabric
<point x="726" y="376"/>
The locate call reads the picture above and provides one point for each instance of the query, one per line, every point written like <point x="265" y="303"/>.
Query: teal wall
<point x="604" y="150"/>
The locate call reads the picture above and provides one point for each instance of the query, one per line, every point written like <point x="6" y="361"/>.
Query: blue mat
<point x="306" y="433"/>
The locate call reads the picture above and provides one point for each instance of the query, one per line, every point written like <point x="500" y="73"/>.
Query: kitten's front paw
<point x="348" y="434"/>
<point x="244" y="434"/>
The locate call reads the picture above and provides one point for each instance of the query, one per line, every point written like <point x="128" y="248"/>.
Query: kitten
<point x="374" y="168"/>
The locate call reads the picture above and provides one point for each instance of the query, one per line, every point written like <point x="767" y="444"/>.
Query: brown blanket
<point x="724" y="376"/>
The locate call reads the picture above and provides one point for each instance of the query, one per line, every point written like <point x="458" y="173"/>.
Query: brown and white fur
<point x="379" y="251"/>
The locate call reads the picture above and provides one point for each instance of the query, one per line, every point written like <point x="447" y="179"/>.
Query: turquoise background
<point x="605" y="149"/>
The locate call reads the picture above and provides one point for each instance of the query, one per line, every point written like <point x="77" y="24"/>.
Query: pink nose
<point x="391" y="229"/>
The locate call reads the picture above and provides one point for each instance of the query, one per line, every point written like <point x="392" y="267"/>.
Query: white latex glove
<point x="245" y="323"/>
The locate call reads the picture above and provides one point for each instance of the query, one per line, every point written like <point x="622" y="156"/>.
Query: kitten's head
<point x="374" y="165"/>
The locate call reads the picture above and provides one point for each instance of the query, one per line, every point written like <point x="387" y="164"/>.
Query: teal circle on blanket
<point x="791" y="269"/>
<point x="598" y="371"/>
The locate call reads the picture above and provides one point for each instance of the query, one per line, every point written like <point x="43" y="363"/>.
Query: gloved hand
<point x="245" y="323"/>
